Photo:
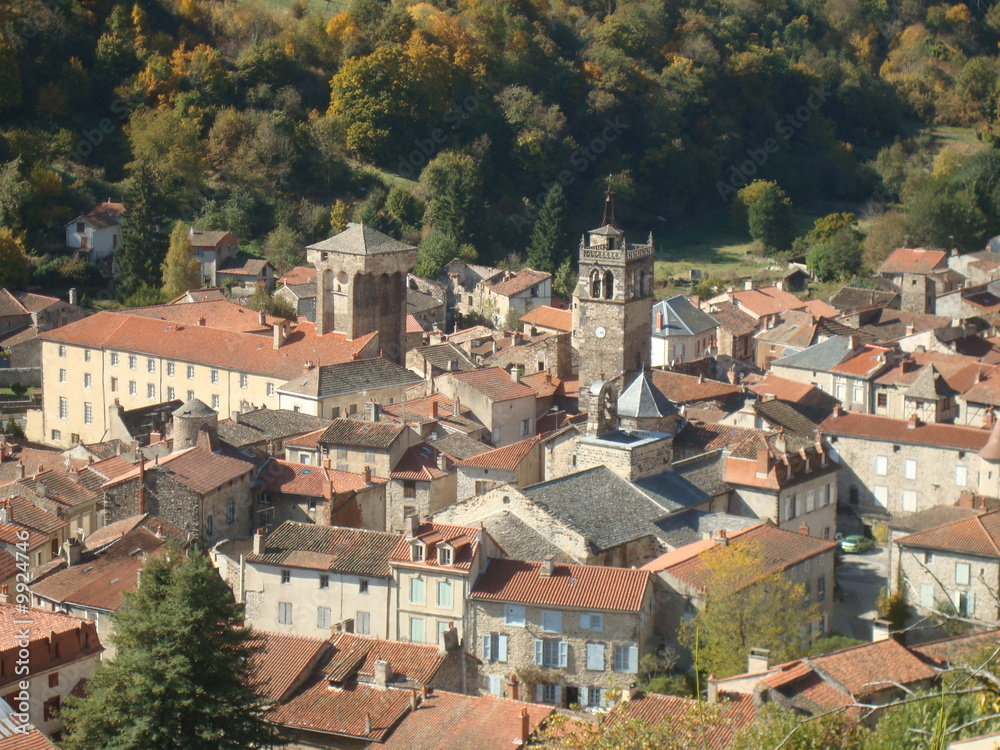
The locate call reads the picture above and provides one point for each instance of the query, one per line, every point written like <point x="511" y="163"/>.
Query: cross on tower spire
<point x="609" y="207"/>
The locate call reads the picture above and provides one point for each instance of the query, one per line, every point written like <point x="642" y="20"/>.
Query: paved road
<point x="860" y="579"/>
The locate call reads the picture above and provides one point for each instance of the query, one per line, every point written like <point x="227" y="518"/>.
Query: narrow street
<point x="860" y="579"/>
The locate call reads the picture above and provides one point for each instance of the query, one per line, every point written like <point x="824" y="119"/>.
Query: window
<point x="496" y="434"/>
<point x="114" y="359"/>
<point x="363" y="623"/>
<point x="882" y="400"/>
<point x="214" y="377"/>
<point x="416" y="629"/>
<point x="114" y="384"/>
<point x="965" y="603"/>
<point x="284" y="613"/>
<point x="341" y="453"/>
<point x="444" y="593"/>
<point x="928" y="557"/>
<point x="550" y="652"/>
<point x="552" y="622"/>
<point x="789" y="508"/>
<point x="881" y="465"/>
<point x="50" y="708"/>
<point x="171" y="393"/>
<point x="810" y="501"/>
<point x="547" y="692"/>
<point x="910" y="468"/>
<point x="270" y="389"/>
<point x="495" y="646"/>
<point x="323" y="618"/>
<point x="53" y="679"/>
<point x="926" y="595"/>
<point x="56" y="435"/>
<point x="417" y="552"/>
<point x="514" y="614"/>
<point x="190" y="372"/>
<point x="150" y="390"/>
<point x="230" y="511"/>
<point x="821" y="588"/>
<point x="444" y="556"/>
<point x="962" y="571"/>
<point x="62" y="376"/>
<point x="88" y="413"/>
<point x="881" y="493"/>
<point x="286" y="576"/>
<point x="63" y="408"/>
<point x="171" y="369"/>
<point x="190" y="395"/>
<point x="595" y="697"/>
<point x="209" y="526"/>
<point x="133" y="388"/>
<point x="525" y="426"/>
<point x="595" y="656"/>
<point x="216" y="401"/>
<point x="910" y="501"/>
<point x="62" y="350"/>
<point x="626" y="658"/>
<point x="244" y="380"/>
<point x="417" y="590"/>
<point x="151" y="366"/>
<point x="961" y="476"/>
<point x="592" y="621"/>
<point x="133" y="362"/>
<point x="859" y="394"/>
<point x="324" y="581"/>
<point x="363" y="586"/>
<point x="826" y="490"/>
<point x="369" y="456"/>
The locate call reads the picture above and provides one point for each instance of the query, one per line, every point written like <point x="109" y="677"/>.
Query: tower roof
<point x="607" y="231"/>
<point x="643" y="400"/>
<point x="359" y="239"/>
<point x="195" y="409"/>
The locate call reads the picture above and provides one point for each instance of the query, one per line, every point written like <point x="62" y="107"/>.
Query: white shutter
<point x="501" y="654"/>
<point x="585" y="621"/>
<point x="494" y="682"/>
<point x="486" y="647"/>
<point x="563" y="653"/>
<point x="971" y="609"/>
<point x="633" y="659"/>
<point x="558" y="695"/>
<point x="539" y="692"/>
<point x="958" y="600"/>
<point x="584" y="697"/>
<point x="926" y="595"/>
<point x="538" y="653"/>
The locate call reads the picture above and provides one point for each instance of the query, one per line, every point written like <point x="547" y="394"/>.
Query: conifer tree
<point x="181" y="676"/>
<point x="548" y="244"/>
<point x="181" y="270"/>
<point x="142" y="246"/>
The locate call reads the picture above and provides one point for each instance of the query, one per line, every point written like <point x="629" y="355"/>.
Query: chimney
<point x="442" y="461"/>
<point x="307" y="367"/>
<point x="368" y="723"/>
<point x="74" y="550"/>
<point x="515" y="374"/>
<point x="759" y="660"/>
<point x="414" y="703"/>
<point x="367" y="474"/>
<point x="381" y="674"/>
<point x="853" y="341"/>
<point x="910" y="329"/>
<point x="20" y="470"/>
<point x="701" y="378"/>
<point x="371" y="411"/>
<point x="142" y="484"/>
<point x="74" y="297"/>
<point x="780" y="444"/>
<point x="880" y="630"/>
<point x="262" y="318"/>
<point x="659" y="320"/>
<point x="966" y="500"/>
<point x="155" y="437"/>
<point x="721" y="539"/>
<point x="457" y="411"/>
<point x="804" y="528"/>
<point x="159" y="530"/>
<point x="5" y="511"/>
<point x="747" y="285"/>
<point x="913" y="422"/>
<point x="838" y="411"/>
<point x="548" y="566"/>
<point x="513" y="688"/>
<point x="40" y="487"/>
<point x="258" y="542"/>
<point x="412" y="525"/>
<point x="713" y="689"/>
<point x="434" y="409"/>
<point x="201" y="322"/>
<point x="763" y="461"/>
<point x="525" y="726"/>
<point x="5" y="594"/>
<point x="278" y="330"/>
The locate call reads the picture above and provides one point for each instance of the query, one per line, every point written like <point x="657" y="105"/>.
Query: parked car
<point x="856" y="543"/>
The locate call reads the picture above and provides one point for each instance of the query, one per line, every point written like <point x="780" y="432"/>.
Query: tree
<point x="837" y="259"/>
<point x="142" y="246"/>
<point x="437" y="250"/>
<point x="624" y="733"/>
<point x="453" y="183"/>
<point x="885" y="234"/>
<point x="564" y="282"/>
<point x="169" y="146"/>
<point x="746" y="606"/>
<point x="10" y="77"/>
<point x="549" y="240"/>
<point x="14" y="270"/>
<point x="749" y="195"/>
<point x="14" y="194"/>
<point x="181" y="270"/>
<point x="181" y="676"/>
<point x="770" y="221"/>
<point x="775" y="724"/>
<point x="285" y="248"/>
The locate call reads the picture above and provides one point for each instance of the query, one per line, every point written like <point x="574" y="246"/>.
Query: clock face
<point x="600" y="332"/>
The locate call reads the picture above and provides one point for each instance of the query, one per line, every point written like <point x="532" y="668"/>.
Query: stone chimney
<point x="910" y="329"/>
<point x="368" y="723"/>
<point x="308" y="367"/>
<point x="457" y="411"/>
<point x="74" y="297"/>
<point x="5" y="512"/>
<point x="372" y="411"/>
<point x="155" y="437"/>
<point x="414" y="703"/>
<point x="74" y="550"/>
<point x="763" y="461"/>
<point x="20" y="470"/>
<point x="747" y="285"/>
<point x="258" y="542"/>
<point x="548" y="566"/>
<point x="513" y="688"/>
<point x="780" y="444"/>
<point x="441" y="461"/>
<point x="412" y="526"/>
<point x="515" y="374"/>
<point x="759" y="660"/>
<point x="913" y="422"/>
<point x="381" y="674"/>
<point x="853" y="341"/>
<point x="713" y="689"/>
<point x="449" y="638"/>
<point x="721" y="539"/>
<point x="279" y="334"/>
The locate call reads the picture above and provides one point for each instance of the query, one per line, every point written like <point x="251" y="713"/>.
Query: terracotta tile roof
<point x="978" y="535"/>
<point x="106" y="470"/>
<point x="913" y="260"/>
<point x="75" y="639"/>
<point x="355" y="656"/>
<point x="221" y="314"/>
<point x="419" y="463"/>
<point x="36" y="302"/>
<point x="508" y="457"/>
<point x="782" y="388"/>
<point x="465" y="540"/>
<point x="243" y="352"/>
<point x="821" y="308"/>
<point x="241" y="265"/>
<point x="9" y="535"/>
<point x="765" y="301"/>
<point x="867" y="668"/>
<point x="15" y="739"/>
<point x="447" y="357"/>
<point x="865" y="362"/>
<point x="731" y="713"/>
<point x="574" y="586"/>
<point x="542" y="383"/>
<point x="336" y="548"/>
<point x="309" y="440"/>
<point x="283" y="662"/>
<point x="885" y="429"/>
<point x="449" y="721"/>
<point x="196" y="468"/>
<point x="103" y="215"/>
<point x="421" y="411"/>
<point x="207" y="294"/>
<point x="359" y="434"/>
<point x="343" y="712"/>
<point x="31" y="516"/>
<point x="549" y="317"/>
<point x="962" y="648"/>
<point x="688" y="389"/>
<point x="8" y="566"/>
<point x="113" y="532"/>
<point x="780" y="549"/>
<point x="508" y="286"/>
<point x="291" y="478"/>
<point x="494" y="383"/>
<point x="413" y="325"/>
<point x="704" y="437"/>
<point x="298" y="275"/>
<point x="55" y="485"/>
<point x="733" y="320"/>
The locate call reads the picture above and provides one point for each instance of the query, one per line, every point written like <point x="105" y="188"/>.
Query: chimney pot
<point x="368" y="723"/>
<point x="804" y="528"/>
<point x="525" y="727"/>
<point x="367" y="475"/>
<point x="258" y="542"/>
<point x="759" y="660"/>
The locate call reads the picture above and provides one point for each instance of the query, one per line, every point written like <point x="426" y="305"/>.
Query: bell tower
<point x="612" y="306"/>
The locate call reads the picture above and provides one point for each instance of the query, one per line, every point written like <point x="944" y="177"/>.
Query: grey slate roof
<point x="643" y="399"/>
<point x="447" y="357"/>
<point x="194" y="408"/>
<point x="822" y="357"/>
<point x="801" y="421"/>
<point x="359" y="239"/>
<point x="681" y="318"/>
<point x="314" y="546"/>
<point x="350" y="377"/>
<point x="460" y="446"/>
<point x="690" y="482"/>
<point x="268" y="424"/>
<point x="689" y="526"/>
<point x="302" y="291"/>
<point x="360" y="434"/>
<point x="932" y="517"/>
<point x="521" y="541"/>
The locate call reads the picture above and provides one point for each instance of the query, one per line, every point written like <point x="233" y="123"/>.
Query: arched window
<point x="595" y="283"/>
<point x="609" y="285"/>
<point x="645" y="283"/>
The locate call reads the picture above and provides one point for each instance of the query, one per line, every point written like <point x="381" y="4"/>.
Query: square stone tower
<point x="361" y="286"/>
<point x="612" y="308"/>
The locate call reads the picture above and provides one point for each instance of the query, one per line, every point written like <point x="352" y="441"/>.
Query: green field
<point x="325" y="8"/>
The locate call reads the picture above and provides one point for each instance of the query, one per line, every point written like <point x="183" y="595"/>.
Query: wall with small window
<point x="947" y="581"/>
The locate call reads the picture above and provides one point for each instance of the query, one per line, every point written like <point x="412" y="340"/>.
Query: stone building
<point x="361" y="286"/>
<point x="518" y="464"/>
<point x="506" y="407"/>
<point x="735" y="335"/>
<point x="571" y="633"/>
<point x="681" y="332"/>
<point x="353" y="444"/>
<point x="343" y="389"/>
<point x="421" y="483"/>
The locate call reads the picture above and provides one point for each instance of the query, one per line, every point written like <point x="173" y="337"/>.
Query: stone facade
<point x="406" y="497"/>
<point x="362" y="509"/>
<point x="632" y="456"/>
<point x="504" y="420"/>
<point x="552" y="354"/>
<point x="932" y="579"/>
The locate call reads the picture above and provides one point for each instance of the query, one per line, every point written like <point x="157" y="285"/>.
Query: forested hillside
<point x="447" y="123"/>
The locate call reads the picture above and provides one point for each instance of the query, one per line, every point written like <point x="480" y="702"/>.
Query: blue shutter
<point x="584" y="697"/>
<point x="563" y="653"/>
<point x="494" y="683"/>
<point x="585" y="621"/>
<point x="538" y="653"/>
<point x="501" y="654"/>
<point x="539" y="692"/>
<point x="558" y="695"/>
<point x="633" y="659"/>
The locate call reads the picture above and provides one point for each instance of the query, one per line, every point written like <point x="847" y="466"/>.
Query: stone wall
<point x="932" y="575"/>
<point x="431" y="497"/>
<point x="28" y="375"/>
<point x="629" y="461"/>
<point x="475" y="480"/>
<point x="551" y="354"/>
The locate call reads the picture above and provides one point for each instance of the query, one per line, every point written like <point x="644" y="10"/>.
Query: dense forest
<point x="449" y="123"/>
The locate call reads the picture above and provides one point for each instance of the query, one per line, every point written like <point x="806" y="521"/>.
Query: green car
<point x="856" y="543"/>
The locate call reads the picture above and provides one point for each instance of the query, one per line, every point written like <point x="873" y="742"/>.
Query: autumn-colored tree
<point x="748" y="196"/>
<point x="622" y="732"/>
<point x="170" y="148"/>
<point x="14" y="268"/>
<point x="181" y="270"/>
<point x="748" y="604"/>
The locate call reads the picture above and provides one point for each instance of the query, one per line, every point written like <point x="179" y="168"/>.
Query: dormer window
<point x="444" y="555"/>
<point x="417" y="552"/>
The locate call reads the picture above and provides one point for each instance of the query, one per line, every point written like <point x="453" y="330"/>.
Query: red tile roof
<point x="284" y="662"/>
<point x="218" y="313"/>
<point x="448" y="721"/>
<point x="979" y="535"/>
<point x="542" y="383"/>
<point x="872" y="427"/>
<point x="821" y="308"/>
<point x="705" y="437"/>
<point x="31" y="740"/>
<point x="913" y="260"/>
<point x="9" y="306"/>
<point x="343" y="712"/>
<point x="298" y="275"/>
<point x="421" y="410"/>
<point x="521" y="281"/>
<point x="948" y="651"/>
<point x="419" y="464"/>
<point x="196" y="468"/>
<point x="508" y="457"/>
<point x="465" y="540"/>
<point x="76" y="638"/>
<point x="866" y="362"/>
<point x="58" y="487"/>
<point x="733" y="320"/>
<point x="26" y="514"/>
<point x="493" y="382"/>
<point x="765" y="301"/>
<point x="355" y="656"/>
<point x="783" y="388"/>
<point x="290" y="478"/>
<point x="550" y="317"/>
<point x="115" y="531"/>
<point x="573" y="586"/>
<point x="309" y="440"/>
<point x="869" y="668"/>
<point x="723" y="719"/>
<point x="413" y="325"/>
<point x="688" y="389"/>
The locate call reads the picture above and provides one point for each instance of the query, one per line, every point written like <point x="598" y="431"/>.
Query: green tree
<point x="453" y="183"/>
<point x="770" y="220"/>
<point x="774" y="725"/>
<point x="14" y="193"/>
<point x="181" y="676"/>
<point x="181" y="270"/>
<point x="142" y="246"/>
<point x="285" y="248"/>
<point x="838" y="258"/>
<point x="170" y="147"/>
<point x="10" y="77"/>
<point x="749" y="195"/>
<point x="14" y="269"/>
<point x="564" y="281"/>
<point x="549" y="242"/>
<point x="437" y="250"/>
<point x="747" y="605"/>
<point x="885" y="234"/>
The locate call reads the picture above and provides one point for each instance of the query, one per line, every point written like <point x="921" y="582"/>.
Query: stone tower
<point x="361" y="286"/>
<point x="188" y="422"/>
<point x="612" y="307"/>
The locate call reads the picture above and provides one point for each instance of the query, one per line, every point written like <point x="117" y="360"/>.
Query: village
<point x="462" y="502"/>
